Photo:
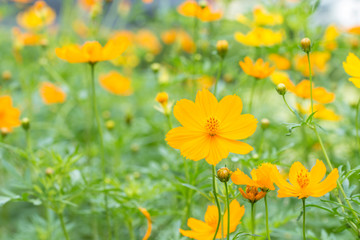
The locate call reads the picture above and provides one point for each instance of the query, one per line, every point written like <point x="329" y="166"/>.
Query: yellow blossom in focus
<point x="352" y="67"/>
<point x="37" y="16"/>
<point x="259" y="37"/>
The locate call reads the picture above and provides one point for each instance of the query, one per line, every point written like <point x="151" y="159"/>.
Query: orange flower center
<point x="303" y="178"/>
<point x="212" y="125"/>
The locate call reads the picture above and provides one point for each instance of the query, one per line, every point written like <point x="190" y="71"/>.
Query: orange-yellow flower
<point x="26" y="39"/>
<point x="261" y="177"/>
<point x="210" y="129"/>
<point x="147" y="215"/>
<point x="205" y="81"/>
<point x="115" y="83"/>
<point x="148" y="40"/>
<point x="9" y="116"/>
<point x="259" y="37"/>
<point x="262" y="17"/>
<point x="89" y="4"/>
<point x="252" y="193"/>
<point x="37" y="16"/>
<point x="329" y="39"/>
<point x="304" y="184"/>
<point x="318" y="62"/>
<point x="320" y="94"/>
<point x="352" y="67"/>
<point x="51" y="94"/>
<point x="190" y="8"/>
<point x="321" y="112"/>
<point x="282" y="77"/>
<point x="162" y="98"/>
<point x="354" y="30"/>
<point x="201" y="230"/>
<point x="280" y="62"/>
<point x="92" y="52"/>
<point x="185" y="40"/>
<point x="259" y="69"/>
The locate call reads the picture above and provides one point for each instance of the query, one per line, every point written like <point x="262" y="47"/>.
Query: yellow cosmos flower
<point x="329" y="39"/>
<point x="26" y="38"/>
<point x="147" y="215"/>
<point x="321" y="112"/>
<point x="352" y="67"/>
<point x="263" y="17"/>
<point x="278" y="77"/>
<point x="259" y="69"/>
<point x="148" y="40"/>
<point x="252" y="193"/>
<point x="320" y="94"/>
<point x="186" y="42"/>
<point x="259" y="37"/>
<point x="191" y="8"/>
<point x="261" y="177"/>
<point x="201" y="230"/>
<point x="9" y="116"/>
<point x="210" y="129"/>
<point x="304" y="184"/>
<point x="354" y="30"/>
<point x="51" y="94"/>
<point x="280" y="62"/>
<point x="92" y="52"/>
<point x="115" y="83"/>
<point x="37" y="16"/>
<point x="318" y="62"/>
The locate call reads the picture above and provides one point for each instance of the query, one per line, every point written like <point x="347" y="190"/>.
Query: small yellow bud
<point x="281" y="89"/>
<point x="49" y="171"/>
<point x="306" y="45"/>
<point x="25" y="123"/>
<point x="223" y="174"/>
<point x="6" y="75"/>
<point x="197" y="57"/>
<point x="155" y="67"/>
<point x="265" y="123"/>
<point x="110" y="124"/>
<point x="162" y="98"/>
<point x="222" y="47"/>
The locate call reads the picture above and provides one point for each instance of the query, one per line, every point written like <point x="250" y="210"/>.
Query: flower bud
<point x="222" y="47"/>
<point x="110" y="124"/>
<point x="281" y="89"/>
<point x="25" y="123"/>
<point x="6" y="75"/>
<point x="223" y="174"/>
<point x="4" y="132"/>
<point x="197" y="57"/>
<point x="155" y="67"/>
<point x="306" y="45"/>
<point x="265" y="123"/>
<point x="162" y="98"/>
<point x="49" y="171"/>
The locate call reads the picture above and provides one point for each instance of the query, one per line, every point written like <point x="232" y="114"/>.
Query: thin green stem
<point x="311" y="86"/>
<point x="216" y="200"/>
<point x="252" y="95"/>
<point x="357" y="124"/>
<point x="339" y="186"/>
<point x="288" y="105"/>
<point x="63" y="226"/>
<point x="267" y="218"/>
<point x="219" y="75"/>
<point x="253" y="220"/>
<point x="169" y="120"/>
<point x="228" y="210"/>
<point x="303" y="201"/>
<point x="103" y="163"/>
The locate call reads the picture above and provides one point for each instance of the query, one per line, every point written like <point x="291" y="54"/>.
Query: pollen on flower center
<point x="303" y="178"/>
<point x="212" y="125"/>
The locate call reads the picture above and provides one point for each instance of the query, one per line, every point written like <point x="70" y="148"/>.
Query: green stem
<point x="303" y="201"/>
<point x="253" y="220"/>
<point x="267" y="218"/>
<point x="252" y="95"/>
<point x="228" y="210"/>
<point x="216" y="200"/>
<point x="63" y="226"/>
<point x="357" y="124"/>
<point x="169" y="120"/>
<point x="310" y="78"/>
<point x="219" y="75"/>
<point x="339" y="186"/>
<point x="288" y="105"/>
<point x="103" y="163"/>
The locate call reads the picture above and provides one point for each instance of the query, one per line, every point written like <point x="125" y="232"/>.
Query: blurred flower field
<point x="152" y="119"/>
